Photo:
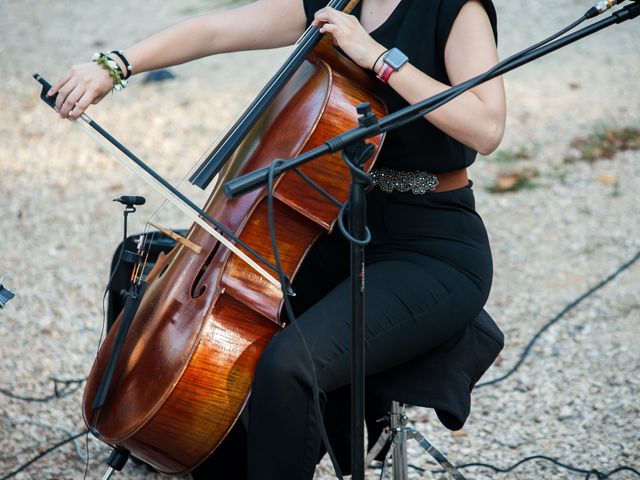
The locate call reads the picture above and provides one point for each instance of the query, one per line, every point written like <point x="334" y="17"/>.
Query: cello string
<point x="144" y="247"/>
<point x="219" y="155"/>
<point x="306" y="37"/>
<point x="335" y="4"/>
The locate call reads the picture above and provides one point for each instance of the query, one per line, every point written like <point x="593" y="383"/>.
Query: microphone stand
<point x="356" y="137"/>
<point x="356" y="155"/>
<point x="246" y="183"/>
<point x="134" y="295"/>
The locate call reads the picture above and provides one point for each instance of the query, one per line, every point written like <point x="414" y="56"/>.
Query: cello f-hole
<point x="196" y="289"/>
<point x="164" y="269"/>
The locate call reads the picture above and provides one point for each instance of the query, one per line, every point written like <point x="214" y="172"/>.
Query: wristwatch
<point x="393" y="61"/>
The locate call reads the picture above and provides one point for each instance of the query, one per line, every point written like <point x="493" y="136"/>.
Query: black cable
<point x="68" y="387"/>
<point x="524" y="460"/>
<point x="344" y="207"/>
<point x="284" y="281"/>
<point x="317" y="187"/>
<point x="599" y="475"/>
<point x="356" y="172"/>
<point x="614" y="471"/>
<point x="345" y="232"/>
<point x="559" y="316"/>
<point x="42" y="454"/>
<point x="593" y="471"/>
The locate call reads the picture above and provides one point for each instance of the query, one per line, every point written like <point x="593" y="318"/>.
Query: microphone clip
<point x="602" y="6"/>
<point x="129" y="201"/>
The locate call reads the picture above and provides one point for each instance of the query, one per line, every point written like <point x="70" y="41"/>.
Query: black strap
<point x="127" y="66"/>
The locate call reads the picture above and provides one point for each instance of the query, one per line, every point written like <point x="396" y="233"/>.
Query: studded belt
<point x="419" y="182"/>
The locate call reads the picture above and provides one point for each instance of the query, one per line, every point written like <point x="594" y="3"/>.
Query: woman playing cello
<point x="429" y="264"/>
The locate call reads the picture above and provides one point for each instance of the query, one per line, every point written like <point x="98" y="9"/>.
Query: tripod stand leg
<point x="377" y="448"/>
<point x="108" y="473"/>
<point x="386" y="436"/>
<point x="399" y="466"/>
<point x="396" y="433"/>
<point x="435" y="453"/>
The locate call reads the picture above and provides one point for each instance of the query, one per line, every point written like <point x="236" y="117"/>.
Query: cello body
<point x="187" y="365"/>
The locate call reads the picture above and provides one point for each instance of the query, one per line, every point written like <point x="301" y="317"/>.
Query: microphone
<point x="130" y="200"/>
<point x="602" y="6"/>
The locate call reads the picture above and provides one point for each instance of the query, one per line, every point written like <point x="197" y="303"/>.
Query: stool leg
<point x="398" y="433"/>
<point x="435" y="453"/>
<point x="401" y="433"/>
<point x="398" y="423"/>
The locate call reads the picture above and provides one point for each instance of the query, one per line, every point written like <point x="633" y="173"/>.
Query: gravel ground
<point x="575" y="397"/>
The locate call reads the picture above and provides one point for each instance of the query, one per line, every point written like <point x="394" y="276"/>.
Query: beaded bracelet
<point x="128" y="67"/>
<point x="112" y="68"/>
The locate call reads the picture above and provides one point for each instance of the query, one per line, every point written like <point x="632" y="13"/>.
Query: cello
<point x="184" y="371"/>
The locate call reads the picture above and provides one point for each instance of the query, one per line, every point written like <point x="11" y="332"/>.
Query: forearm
<point x="180" y="43"/>
<point x="253" y="26"/>
<point x="470" y="120"/>
<point x="261" y="24"/>
<point x="475" y="118"/>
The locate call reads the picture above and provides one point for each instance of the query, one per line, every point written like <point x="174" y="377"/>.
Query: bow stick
<point x="168" y="191"/>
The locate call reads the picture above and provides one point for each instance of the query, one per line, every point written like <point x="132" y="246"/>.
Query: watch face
<point x="395" y="59"/>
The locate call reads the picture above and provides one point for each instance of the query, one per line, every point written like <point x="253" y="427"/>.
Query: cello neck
<point x="350" y="6"/>
<point x="224" y="150"/>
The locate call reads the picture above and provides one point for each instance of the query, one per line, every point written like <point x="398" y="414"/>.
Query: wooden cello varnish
<point x="189" y="359"/>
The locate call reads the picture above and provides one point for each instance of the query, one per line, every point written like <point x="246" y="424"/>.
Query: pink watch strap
<point x="385" y="72"/>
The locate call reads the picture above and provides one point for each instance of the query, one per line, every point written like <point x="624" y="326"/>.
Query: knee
<point x="282" y="365"/>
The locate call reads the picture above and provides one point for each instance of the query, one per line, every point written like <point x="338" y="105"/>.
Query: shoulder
<point x="450" y="10"/>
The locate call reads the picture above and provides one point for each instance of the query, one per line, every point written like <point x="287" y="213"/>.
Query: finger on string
<point x="318" y="22"/>
<point x="326" y="15"/>
<point x="330" y="28"/>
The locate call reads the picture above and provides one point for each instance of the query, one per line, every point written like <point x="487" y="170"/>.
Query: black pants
<point x="411" y="307"/>
<point x="428" y="275"/>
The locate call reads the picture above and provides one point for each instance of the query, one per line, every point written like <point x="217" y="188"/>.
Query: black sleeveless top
<point x="443" y="225"/>
<point x="420" y="29"/>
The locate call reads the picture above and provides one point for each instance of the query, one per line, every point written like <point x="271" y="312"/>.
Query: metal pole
<point x="398" y="423"/>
